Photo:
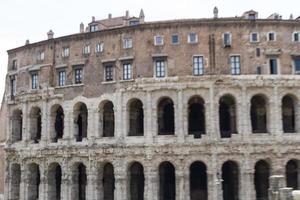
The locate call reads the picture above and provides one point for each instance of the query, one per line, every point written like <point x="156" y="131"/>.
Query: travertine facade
<point x="185" y="109"/>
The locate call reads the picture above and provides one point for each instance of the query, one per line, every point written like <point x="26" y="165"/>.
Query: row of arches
<point x="259" y="115"/>
<point x="198" y="181"/>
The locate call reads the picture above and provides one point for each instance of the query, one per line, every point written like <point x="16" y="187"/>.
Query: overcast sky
<point x="32" y="19"/>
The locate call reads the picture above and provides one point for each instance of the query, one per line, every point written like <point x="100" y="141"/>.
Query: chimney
<point x="93" y="18"/>
<point x="109" y="16"/>
<point x="50" y="34"/>
<point x="142" y="16"/>
<point x="27" y="42"/>
<point x="127" y="14"/>
<point x="216" y="12"/>
<point x="81" y="28"/>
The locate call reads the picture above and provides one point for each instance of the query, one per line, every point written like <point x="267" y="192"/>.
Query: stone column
<point x="45" y="120"/>
<point x="186" y="177"/>
<point x="24" y="183"/>
<point x="180" y="185"/>
<point x="120" y="181"/>
<point x="274" y="108"/>
<point x="26" y="123"/>
<point x="178" y="111"/>
<point x="43" y="192"/>
<point x="118" y="117"/>
<point x="151" y="182"/>
<point x="244" y="114"/>
<point x="148" y="119"/>
<point x="247" y="187"/>
<point x="125" y="120"/>
<point x="92" y="179"/>
<point x="214" y="178"/>
<point x="68" y="124"/>
<point x="65" y="184"/>
<point x="213" y="118"/>
<point x="92" y="130"/>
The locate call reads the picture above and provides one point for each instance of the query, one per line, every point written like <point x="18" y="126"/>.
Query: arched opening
<point x="230" y="184"/>
<point x="15" y="173"/>
<point x="261" y="179"/>
<point x="35" y="119"/>
<point x="33" y="181"/>
<point x="54" y="181"/>
<point x="17" y="130"/>
<point x="79" y="182"/>
<point x="165" y="117"/>
<point x="81" y="121"/>
<point x="108" y="182"/>
<point x="259" y="114"/>
<point x="198" y="181"/>
<point x="196" y="117"/>
<point x="292" y="174"/>
<point x="136" y="118"/>
<point x="137" y="179"/>
<point x="167" y="184"/>
<point x="227" y="116"/>
<point x="288" y="114"/>
<point x="57" y="118"/>
<point x="108" y="119"/>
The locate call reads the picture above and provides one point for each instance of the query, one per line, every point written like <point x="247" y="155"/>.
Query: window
<point x="160" y="69"/>
<point x="62" y="78"/>
<point x="235" y="65"/>
<point x="14" y="65"/>
<point x="198" y="68"/>
<point x="297" y="65"/>
<point x="252" y="16"/>
<point x="296" y="37"/>
<point x="86" y="50"/>
<point x="34" y="81"/>
<point x="192" y="38"/>
<point x="158" y="40"/>
<point x="175" y="39"/>
<point x="227" y="39"/>
<point x="13" y="85"/>
<point x="273" y="66"/>
<point x="271" y="36"/>
<point x="94" y="28"/>
<point x="134" y="22"/>
<point x="78" y="75"/>
<point x="65" y="52"/>
<point x="109" y="72"/>
<point x="254" y="37"/>
<point x="127" y="43"/>
<point x="257" y="52"/>
<point x="258" y="70"/>
<point x="127" y="71"/>
<point x="40" y="56"/>
<point x="99" y="47"/>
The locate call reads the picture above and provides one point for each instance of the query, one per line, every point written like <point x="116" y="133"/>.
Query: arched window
<point x="292" y="174"/>
<point x="230" y="184"/>
<point x="259" y="114"/>
<point x="196" y="117"/>
<point x="81" y="121"/>
<point x="136" y="118"/>
<point x="261" y="180"/>
<point x="79" y="182"/>
<point x="227" y="116"/>
<point x="108" y="119"/>
<point x="288" y="114"/>
<point x="33" y="181"/>
<point x="165" y="117"/>
<point x="137" y="179"/>
<point x="35" y="119"/>
<point x="167" y="184"/>
<point x="15" y="173"/>
<point x="108" y="182"/>
<point x="17" y="130"/>
<point x="198" y="181"/>
<point x="54" y="181"/>
<point x="57" y="119"/>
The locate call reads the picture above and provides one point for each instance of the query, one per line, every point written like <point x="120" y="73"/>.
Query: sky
<point x="32" y="19"/>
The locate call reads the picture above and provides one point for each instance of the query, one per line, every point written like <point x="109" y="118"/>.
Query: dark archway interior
<point x="258" y="114"/>
<point x="166" y="117"/>
<point x="58" y="182"/>
<point x="108" y="182"/>
<point x="108" y="120"/>
<point x="227" y="116"/>
<point x="34" y="182"/>
<point x="230" y="184"/>
<point x="196" y="117"/>
<point x="82" y="181"/>
<point x="17" y="130"/>
<point x="288" y="114"/>
<point x="136" y="118"/>
<point x="82" y="122"/>
<point x="15" y="181"/>
<point x="54" y="182"/>
<point x="261" y="180"/>
<point x="292" y="175"/>
<point x="59" y="124"/>
<point x="167" y="184"/>
<point x="137" y="182"/>
<point x="198" y="181"/>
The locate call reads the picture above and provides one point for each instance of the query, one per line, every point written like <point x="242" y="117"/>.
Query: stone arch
<point x="57" y="122"/>
<point x="136" y="117"/>
<point x="79" y="182"/>
<point x="80" y="112"/>
<point x="54" y="181"/>
<point x="227" y="116"/>
<point x="230" y="184"/>
<point x="34" y="180"/>
<point x="165" y="116"/>
<point x="196" y="116"/>
<point x="107" y="118"/>
<point x="17" y="123"/>
<point x="167" y="181"/>
<point x="261" y="179"/>
<point x="35" y="124"/>
<point x="15" y="181"/>
<point x="136" y="181"/>
<point x="288" y="112"/>
<point x="259" y="114"/>
<point x="292" y="175"/>
<point x="198" y="181"/>
<point x="108" y="181"/>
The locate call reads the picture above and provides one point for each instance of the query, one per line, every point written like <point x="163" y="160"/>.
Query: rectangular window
<point x="127" y="71"/>
<point x="134" y="22"/>
<point x="65" y="52"/>
<point x="175" y="39"/>
<point x="14" y="65"/>
<point x="109" y="73"/>
<point x="296" y="37"/>
<point x="158" y="40"/>
<point x="62" y="78"/>
<point x="34" y="81"/>
<point x="271" y="36"/>
<point x="192" y="38"/>
<point x="257" y="52"/>
<point x="99" y="47"/>
<point x="127" y="43"/>
<point x="13" y="85"/>
<point x="94" y="28"/>
<point x="198" y="68"/>
<point x="273" y="66"/>
<point x="86" y="50"/>
<point x="227" y="39"/>
<point x="235" y="65"/>
<point x="160" y="69"/>
<point x="78" y="75"/>
<point x="297" y="65"/>
<point x="40" y="56"/>
<point x="254" y="37"/>
<point x="258" y="70"/>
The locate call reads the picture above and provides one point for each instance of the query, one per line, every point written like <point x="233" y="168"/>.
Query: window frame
<point x="78" y="78"/>
<point x="230" y="39"/>
<point x="40" y="56"/>
<point x="34" y="80"/>
<point x="297" y="72"/>
<point x="14" y="65"/>
<point x="13" y="85"/>
<point x="298" y="35"/>
<point x="268" y="36"/>
<point x="257" y="37"/>
<point x="155" y="40"/>
<point x="178" y="41"/>
<point x="127" y="43"/>
<point x="65" y="52"/>
<point x="86" y="49"/>
<point x="200" y="65"/>
<point x="62" y="81"/>
<point x="99" y="48"/>
<point x="189" y="38"/>
<point x="94" y="28"/>
<point x="234" y="70"/>
<point x="127" y="70"/>
<point x="160" y="73"/>
<point x="277" y="65"/>
<point x="111" y="74"/>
